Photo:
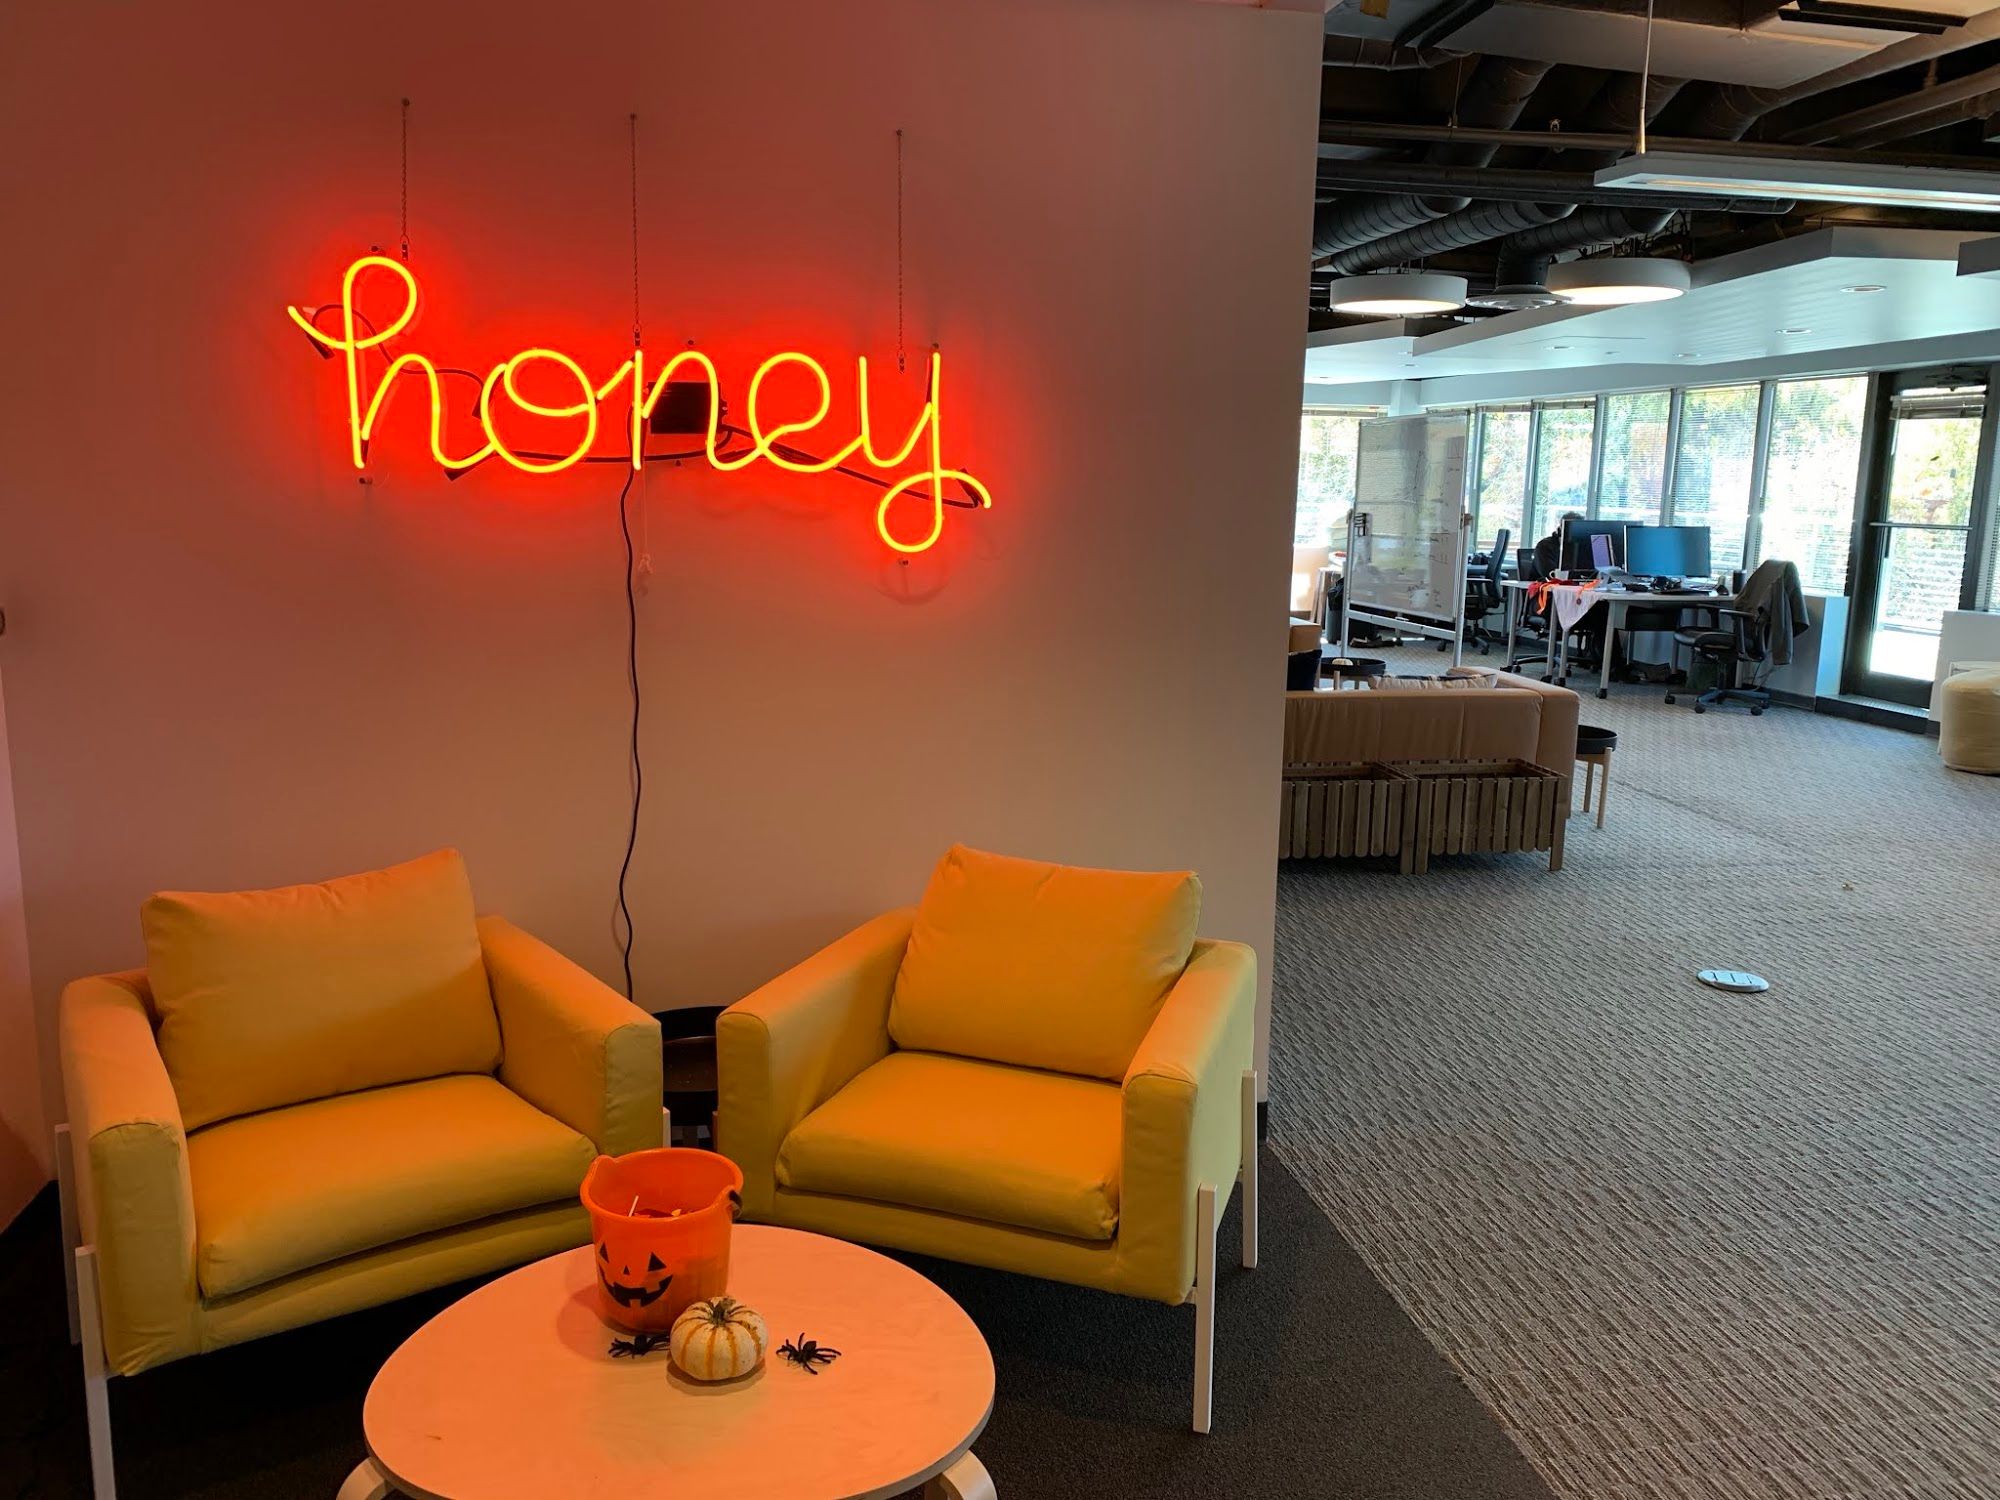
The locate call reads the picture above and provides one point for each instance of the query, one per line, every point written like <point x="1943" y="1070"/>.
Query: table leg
<point x="367" y="1482"/>
<point x="1603" y="788"/>
<point x="1514" y="602"/>
<point x="1612" y="615"/>
<point x="965" y="1480"/>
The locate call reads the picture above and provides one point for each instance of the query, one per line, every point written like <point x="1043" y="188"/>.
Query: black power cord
<point x="632" y="681"/>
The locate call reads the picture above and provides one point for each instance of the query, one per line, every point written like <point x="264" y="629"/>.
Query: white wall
<point x="230" y="665"/>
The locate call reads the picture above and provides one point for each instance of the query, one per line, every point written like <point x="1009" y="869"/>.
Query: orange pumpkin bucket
<point x="659" y="1231"/>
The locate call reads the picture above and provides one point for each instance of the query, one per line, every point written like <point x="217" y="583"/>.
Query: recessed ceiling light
<point x="1619" y="282"/>
<point x="1683" y="356"/>
<point x="1396" y="294"/>
<point x="1865" y="286"/>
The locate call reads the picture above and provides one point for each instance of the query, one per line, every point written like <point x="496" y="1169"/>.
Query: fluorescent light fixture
<point x="1393" y="294"/>
<point x="1821" y="181"/>
<point x="1618" y="282"/>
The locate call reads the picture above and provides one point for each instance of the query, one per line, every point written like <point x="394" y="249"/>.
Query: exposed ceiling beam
<point x="1438" y="24"/>
<point x="1902" y="107"/>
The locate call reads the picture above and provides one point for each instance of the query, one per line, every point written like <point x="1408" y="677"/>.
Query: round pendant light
<point x="1619" y="282"/>
<point x="1394" y="294"/>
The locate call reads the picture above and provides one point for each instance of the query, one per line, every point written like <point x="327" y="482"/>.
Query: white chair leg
<point x="1204" y="1305"/>
<point x="96" y="1398"/>
<point x="367" y="1482"/>
<point x="72" y="1235"/>
<point x="666" y="1127"/>
<point x="1250" y="1169"/>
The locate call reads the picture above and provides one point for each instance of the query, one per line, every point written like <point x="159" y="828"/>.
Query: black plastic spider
<point x="638" y="1346"/>
<point x="807" y="1354"/>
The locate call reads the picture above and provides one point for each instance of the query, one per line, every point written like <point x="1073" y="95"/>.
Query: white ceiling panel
<point x="1786" y="299"/>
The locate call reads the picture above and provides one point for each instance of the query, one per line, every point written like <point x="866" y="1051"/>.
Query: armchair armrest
<point x="788" y="1047"/>
<point x="1183" y="1115"/>
<point x="135" y="1200"/>
<point x="571" y="1045"/>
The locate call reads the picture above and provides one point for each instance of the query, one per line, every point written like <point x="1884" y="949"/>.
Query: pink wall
<point x="24" y="1131"/>
<point x="229" y="664"/>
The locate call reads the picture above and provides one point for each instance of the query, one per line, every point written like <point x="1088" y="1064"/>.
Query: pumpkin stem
<point x="721" y="1310"/>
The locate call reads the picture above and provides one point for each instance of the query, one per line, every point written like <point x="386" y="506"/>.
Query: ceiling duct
<point x="1525" y="256"/>
<point x="1470" y="226"/>
<point x="1618" y="101"/>
<point x="1499" y="91"/>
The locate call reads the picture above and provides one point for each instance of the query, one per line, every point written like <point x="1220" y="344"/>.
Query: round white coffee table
<point x="511" y="1391"/>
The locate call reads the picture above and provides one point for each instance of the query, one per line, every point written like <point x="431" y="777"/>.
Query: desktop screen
<point x="1667" y="551"/>
<point x="1580" y="540"/>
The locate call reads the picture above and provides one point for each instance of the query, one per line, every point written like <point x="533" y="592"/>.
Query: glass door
<point x="1915" y="535"/>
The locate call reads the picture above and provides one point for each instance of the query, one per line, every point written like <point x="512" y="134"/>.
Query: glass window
<point x="1501" y="486"/>
<point x="1562" y="464"/>
<point x="1810" y="475"/>
<point x="1326" y="475"/>
<point x="1712" y="461"/>
<point x="1635" y="457"/>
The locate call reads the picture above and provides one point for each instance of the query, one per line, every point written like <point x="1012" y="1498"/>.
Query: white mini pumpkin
<point x="719" y="1339"/>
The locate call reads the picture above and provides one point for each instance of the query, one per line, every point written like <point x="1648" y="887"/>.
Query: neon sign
<point x="726" y="448"/>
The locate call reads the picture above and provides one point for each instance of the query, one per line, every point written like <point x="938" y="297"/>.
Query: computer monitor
<point x="1579" y="551"/>
<point x="1667" y="551"/>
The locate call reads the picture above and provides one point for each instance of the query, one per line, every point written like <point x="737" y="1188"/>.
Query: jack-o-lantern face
<point x="628" y="1290"/>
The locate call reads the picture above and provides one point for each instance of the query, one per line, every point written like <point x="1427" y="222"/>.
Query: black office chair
<point x="1729" y="638"/>
<point x="1534" y="625"/>
<point x="1483" y="597"/>
<point x="1360" y="632"/>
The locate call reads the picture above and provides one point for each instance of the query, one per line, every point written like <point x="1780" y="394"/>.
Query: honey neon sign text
<point x="341" y="329"/>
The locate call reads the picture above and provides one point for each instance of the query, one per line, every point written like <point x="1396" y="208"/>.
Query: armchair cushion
<point x="1041" y="965"/>
<point x="279" y="1192"/>
<point x="981" y="1140"/>
<point x="269" y="998"/>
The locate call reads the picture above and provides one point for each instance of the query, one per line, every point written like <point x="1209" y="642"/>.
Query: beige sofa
<point x="1514" y="719"/>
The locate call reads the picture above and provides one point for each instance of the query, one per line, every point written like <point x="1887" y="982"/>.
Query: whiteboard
<point x="1407" y="536"/>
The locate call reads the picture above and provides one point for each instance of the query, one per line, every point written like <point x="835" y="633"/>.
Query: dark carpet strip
<point x="1323" y="1388"/>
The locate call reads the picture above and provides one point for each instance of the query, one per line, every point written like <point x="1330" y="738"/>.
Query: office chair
<point x="1535" y="627"/>
<point x="1729" y="638"/>
<point x="1360" y="632"/>
<point x="1483" y="597"/>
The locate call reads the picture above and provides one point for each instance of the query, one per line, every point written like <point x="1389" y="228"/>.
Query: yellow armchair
<point x="180" y="1241"/>
<point x="1107" y="1183"/>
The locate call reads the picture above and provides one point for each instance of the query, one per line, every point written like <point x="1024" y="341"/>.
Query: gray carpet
<point x="1686" y="1245"/>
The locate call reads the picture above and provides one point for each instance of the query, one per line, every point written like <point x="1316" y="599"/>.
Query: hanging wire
<point x="633" y="124"/>
<point x="899" y="249"/>
<point x="1645" y="76"/>
<point x="406" y="181"/>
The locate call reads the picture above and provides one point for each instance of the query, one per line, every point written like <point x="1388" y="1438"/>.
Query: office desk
<point x="1617" y="604"/>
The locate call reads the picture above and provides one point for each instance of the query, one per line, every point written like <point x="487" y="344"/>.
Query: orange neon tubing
<point x="363" y="416"/>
